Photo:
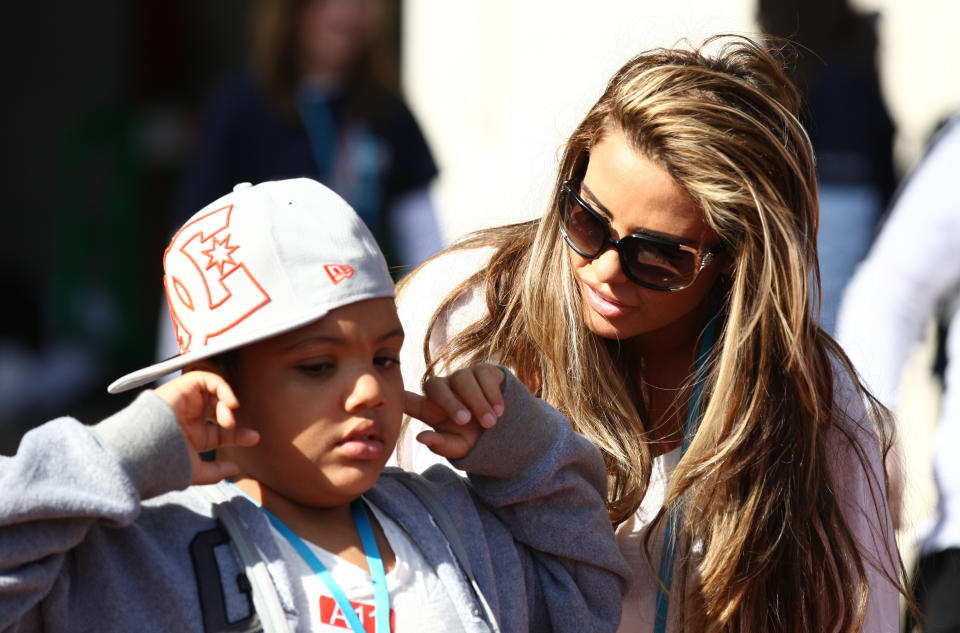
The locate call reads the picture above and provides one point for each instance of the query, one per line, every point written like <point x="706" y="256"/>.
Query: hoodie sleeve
<point x="547" y="484"/>
<point x="66" y="478"/>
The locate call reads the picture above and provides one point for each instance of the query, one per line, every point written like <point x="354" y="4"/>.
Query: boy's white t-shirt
<point x="418" y="600"/>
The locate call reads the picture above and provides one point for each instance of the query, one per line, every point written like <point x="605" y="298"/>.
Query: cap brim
<point x="158" y="370"/>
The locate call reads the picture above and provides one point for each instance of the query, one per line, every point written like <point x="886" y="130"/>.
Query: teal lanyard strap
<point x="673" y="517"/>
<point x="381" y="596"/>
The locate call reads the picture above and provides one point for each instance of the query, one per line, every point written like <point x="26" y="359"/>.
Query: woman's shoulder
<point x="857" y="428"/>
<point x="855" y="447"/>
<point x="421" y="293"/>
<point x="441" y="274"/>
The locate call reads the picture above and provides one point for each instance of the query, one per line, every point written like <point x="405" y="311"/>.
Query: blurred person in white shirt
<point x="911" y="272"/>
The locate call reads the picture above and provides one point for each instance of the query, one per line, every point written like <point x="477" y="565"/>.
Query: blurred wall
<point x="498" y="84"/>
<point x="919" y="66"/>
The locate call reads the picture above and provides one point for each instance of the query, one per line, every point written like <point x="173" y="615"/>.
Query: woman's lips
<point x="605" y="306"/>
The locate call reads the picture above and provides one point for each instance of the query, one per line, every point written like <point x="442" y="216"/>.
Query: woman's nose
<point x="607" y="266"/>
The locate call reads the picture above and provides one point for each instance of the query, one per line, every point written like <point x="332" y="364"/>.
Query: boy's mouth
<point x="365" y="441"/>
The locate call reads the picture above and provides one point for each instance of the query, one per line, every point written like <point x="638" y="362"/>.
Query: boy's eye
<point x="316" y="368"/>
<point x="387" y="361"/>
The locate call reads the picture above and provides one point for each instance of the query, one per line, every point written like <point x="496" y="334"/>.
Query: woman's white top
<point x="865" y="505"/>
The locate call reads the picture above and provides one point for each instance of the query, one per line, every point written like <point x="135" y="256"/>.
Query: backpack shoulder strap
<point x="273" y="618"/>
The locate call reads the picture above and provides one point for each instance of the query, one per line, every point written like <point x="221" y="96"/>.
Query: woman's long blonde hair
<point x="774" y="551"/>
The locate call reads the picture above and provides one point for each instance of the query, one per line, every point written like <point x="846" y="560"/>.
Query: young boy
<point x="289" y="340"/>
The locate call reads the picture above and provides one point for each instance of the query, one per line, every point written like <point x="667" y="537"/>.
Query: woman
<point x="662" y="304"/>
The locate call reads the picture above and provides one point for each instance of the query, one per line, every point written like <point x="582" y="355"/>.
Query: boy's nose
<point x="366" y="393"/>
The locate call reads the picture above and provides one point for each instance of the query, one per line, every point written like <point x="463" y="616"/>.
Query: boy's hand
<point x="458" y="407"/>
<point x="203" y="403"/>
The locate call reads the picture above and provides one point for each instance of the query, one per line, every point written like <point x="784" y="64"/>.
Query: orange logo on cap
<point x="338" y="272"/>
<point x="209" y="288"/>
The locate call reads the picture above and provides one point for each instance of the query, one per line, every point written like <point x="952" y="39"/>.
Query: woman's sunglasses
<point x="648" y="261"/>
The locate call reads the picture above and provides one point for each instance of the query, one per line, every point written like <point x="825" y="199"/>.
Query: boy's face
<point x="327" y="400"/>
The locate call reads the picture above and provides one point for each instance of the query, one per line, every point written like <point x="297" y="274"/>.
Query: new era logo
<point x="338" y="272"/>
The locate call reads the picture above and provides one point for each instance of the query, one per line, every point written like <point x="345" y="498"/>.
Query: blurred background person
<point x="321" y="100"/>
<point x="909" y="277"/>
<point x="848" y="123"/>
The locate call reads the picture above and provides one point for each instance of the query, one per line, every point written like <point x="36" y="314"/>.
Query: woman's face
<point x="334" y="33"/>
<point x="636" y="195"/>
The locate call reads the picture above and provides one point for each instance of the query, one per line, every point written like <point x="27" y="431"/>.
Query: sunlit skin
<point x="658" y="328"/>
<point x="309" y="418"/>
<point x="327" y="401"/>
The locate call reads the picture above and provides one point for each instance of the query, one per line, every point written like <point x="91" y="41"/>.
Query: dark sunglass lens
<point x="661" y="265"/>
<point x="583" y="229"/>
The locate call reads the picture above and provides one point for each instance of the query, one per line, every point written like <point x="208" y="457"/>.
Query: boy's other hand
<point x="458" y="407"/>
<point x="203" y="403"/>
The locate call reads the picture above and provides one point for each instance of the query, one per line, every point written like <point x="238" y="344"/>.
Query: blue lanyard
<point x="673" y="517"/>
<point x="381" y="596"/>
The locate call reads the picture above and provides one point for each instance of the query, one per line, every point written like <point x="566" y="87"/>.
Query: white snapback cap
<point x="263" y="260"/>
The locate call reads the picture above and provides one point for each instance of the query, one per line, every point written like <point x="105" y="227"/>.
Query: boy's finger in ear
<point x="209" y="436"/>
<point x="491" y="379"/>
<point x="222" y="397"/>
<point x="221" y="388"/>
<point x="467" y="386"/>
<point x="449" y="445"/>
<point x="224" y="415"/>
<point x="233" y="437"/>
<point x="212" y="472"/>
<point x="440" y="392"/>
<point x="430" y="439"/>
<point x="423" y="409"/>
<point x="244" y="437"/>
<point x="225" y="395"/>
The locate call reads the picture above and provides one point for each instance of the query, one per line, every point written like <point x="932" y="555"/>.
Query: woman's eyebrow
<point x="634" y="230"/>
<point x="602" y="210"/>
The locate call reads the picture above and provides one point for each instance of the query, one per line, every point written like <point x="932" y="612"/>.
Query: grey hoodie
<point x="99" y="531"/>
